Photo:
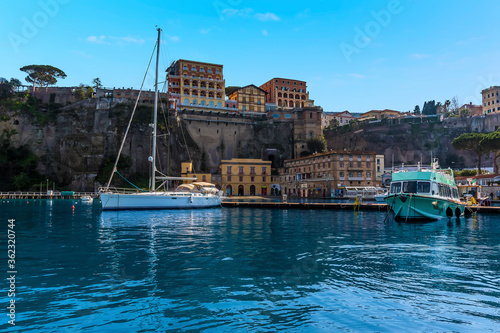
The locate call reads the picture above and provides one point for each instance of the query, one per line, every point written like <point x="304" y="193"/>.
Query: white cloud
<point x="173" y="38"/>
<point x="267" y="17"/>
<point x="231" y="12"/>
<point x="96" y="40"/>
<point x="420" y="56"/>
<point x="357" y="76"/>
<point x="113" y="40"/>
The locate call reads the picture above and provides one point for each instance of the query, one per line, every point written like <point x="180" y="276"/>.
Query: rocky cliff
<point x="76" y="143"/>
<point x="414" y="140"/>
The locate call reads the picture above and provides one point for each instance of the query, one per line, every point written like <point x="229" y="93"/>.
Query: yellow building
<point x="187" y="172"/>
<point x="245" y="176"/>
<point x="250" y="98"/>
<point x="491" y="100"/>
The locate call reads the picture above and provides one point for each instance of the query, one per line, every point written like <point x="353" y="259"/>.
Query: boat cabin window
<point x="395" y="188"/>
<point x="423" y="187"/>
<point x="410" y="187"/>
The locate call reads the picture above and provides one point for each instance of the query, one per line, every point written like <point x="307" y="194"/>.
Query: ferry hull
<point x="157" y="200"/>
<point x="420" y="207"/>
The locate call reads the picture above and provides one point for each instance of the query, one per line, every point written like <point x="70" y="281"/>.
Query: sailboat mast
<point x="155" y="115"/>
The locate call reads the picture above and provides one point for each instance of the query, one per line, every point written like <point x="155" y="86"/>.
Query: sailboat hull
<point x="158" y="200"/>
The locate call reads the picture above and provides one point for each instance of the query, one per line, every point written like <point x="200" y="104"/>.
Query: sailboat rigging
<point x="186" y="196"/>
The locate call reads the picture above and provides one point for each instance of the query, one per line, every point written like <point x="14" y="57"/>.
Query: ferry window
<point x="395" y="187"/>
<point x="410" y="187"/>
<point x="423" y="187"/>
<point x="455" y="193"/>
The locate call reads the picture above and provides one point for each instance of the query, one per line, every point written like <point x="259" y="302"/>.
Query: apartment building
<point x="287" y="93"/>
<point x="249" y="98"/>
<point x="194" y="83"/>
<point x="341" y="118"/>
<point x="491" y="100"/>
<point x="322" y="174"/>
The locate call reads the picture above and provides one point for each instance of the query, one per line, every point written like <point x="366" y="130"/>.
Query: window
<point x="193" y="68"/>
<point x="410" y="187"/>
<point x="264" y="170"/>
<point x="341" y="164"/>
<point x="264" y="179"/>
<point x="229" y="170"/>
<point x="241" y="178"/>
<point x="350" y="157"/>
<point x="350" y="164"/>
<point x="360" y="174"/>
<point x="395" y="188"/>
<point x="204" y="178"/>
<point x="368" y="164"/>
<point x="359" y="158"/>
<point x="228" y="178"/>
<point x="423" y="187"/>
<point x="341" y="157"/>
<point x="368" y="175"/>
<point x="240" y="170"/>
<point x="359" y="164"/>
<point x="252" y="170"/>
<point x="252" y="179"/>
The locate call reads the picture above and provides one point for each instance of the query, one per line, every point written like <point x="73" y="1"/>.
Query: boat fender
<point x="435" y="205"/>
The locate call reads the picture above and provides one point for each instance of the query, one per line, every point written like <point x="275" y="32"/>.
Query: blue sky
<point x="354" y="55"/>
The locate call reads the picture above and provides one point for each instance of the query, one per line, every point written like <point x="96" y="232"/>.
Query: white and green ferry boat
<point x="419" y="193"/>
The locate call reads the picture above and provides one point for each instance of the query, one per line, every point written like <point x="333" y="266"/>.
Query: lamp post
<point x="47" y="186"/>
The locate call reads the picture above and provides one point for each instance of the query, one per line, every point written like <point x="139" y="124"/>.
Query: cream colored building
<point x="245" y="177"/>
<point x="342" y="118"/>
<point x="491" y="100"/>
<point x="380" y="114"/>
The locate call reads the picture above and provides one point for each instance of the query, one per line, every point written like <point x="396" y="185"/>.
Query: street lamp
<point x="47" y="186"/>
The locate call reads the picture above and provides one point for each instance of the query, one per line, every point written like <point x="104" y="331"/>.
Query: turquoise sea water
<point x="248" y="270"/>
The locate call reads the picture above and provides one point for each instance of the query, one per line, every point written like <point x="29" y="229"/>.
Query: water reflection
<point x="254" y="269"/>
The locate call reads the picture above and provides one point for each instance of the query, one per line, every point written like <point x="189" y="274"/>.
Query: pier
<point x="49" y="195"/>
<point x="336" y="206"/>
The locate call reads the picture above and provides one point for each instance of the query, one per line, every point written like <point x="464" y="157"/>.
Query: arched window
<point x="195" y="102"/>
<point x="291" y="104"/>
<point x="276" y="115"/>
<point x="211" y="103"/>
<point x="203" y="103"/>
<point x="186" y="101"/>
<point x="285" y="95"/>
<point x="297" y="96"/>
<point x="219" y="104"/>
<point x="279" y="94"/>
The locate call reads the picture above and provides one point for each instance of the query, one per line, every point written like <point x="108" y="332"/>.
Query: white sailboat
<point x="186" y="196"/>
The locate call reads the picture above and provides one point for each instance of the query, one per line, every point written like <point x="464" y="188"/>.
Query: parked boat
<point x="186" y="196"/>
<point x="424" y="193"/>
<point x="382" y="193"/>
<point x="87" y="199"/>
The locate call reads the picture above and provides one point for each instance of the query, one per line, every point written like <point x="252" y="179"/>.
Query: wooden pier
<point x="336" y="206"/>
<point x="46" y="196"/>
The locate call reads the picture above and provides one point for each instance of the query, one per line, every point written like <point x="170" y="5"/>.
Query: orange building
<point x="491" y="100"/>
<point x="194" y="83"/>
<point x="287" y="93"/>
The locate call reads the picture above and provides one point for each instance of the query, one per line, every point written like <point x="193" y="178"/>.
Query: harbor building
<point x="324" y="174"/>
<point x="194" y="83"/>
<point x="491" y="100"/>
<point x="287" y="93"/>
<point x="245" y="177"/>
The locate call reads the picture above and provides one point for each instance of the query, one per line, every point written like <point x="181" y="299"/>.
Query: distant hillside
<point x="411" y="141"/>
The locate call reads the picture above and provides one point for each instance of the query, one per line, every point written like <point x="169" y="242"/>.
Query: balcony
<point x="356" y="178"/>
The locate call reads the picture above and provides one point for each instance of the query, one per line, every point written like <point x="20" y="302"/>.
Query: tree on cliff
<point x="417" y="110"/>
<point x="44" y="75"/>
<point x="474" y="142"/>
<point x="97" y="83"/>
<point x="317" y="144"/>
<point x="429" y="108"/>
